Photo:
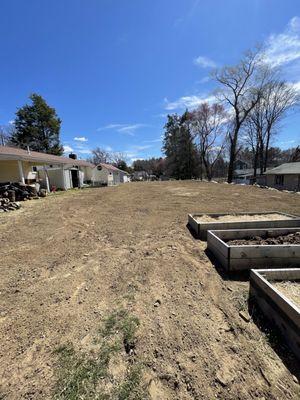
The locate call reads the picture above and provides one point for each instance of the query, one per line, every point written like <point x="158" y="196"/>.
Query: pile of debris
<point x="11" y="193"/>
<point x="7" y="205"/>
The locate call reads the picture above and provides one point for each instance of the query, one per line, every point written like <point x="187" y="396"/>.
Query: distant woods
<point x="251" y="100"/>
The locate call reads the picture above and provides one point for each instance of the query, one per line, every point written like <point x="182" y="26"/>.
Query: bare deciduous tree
<point x="100" y="155"/>
<point x="6" y="132"/>
<point x="208" y="125"/>
<point x="241" y="90"/>
<point x="277" y="97"/>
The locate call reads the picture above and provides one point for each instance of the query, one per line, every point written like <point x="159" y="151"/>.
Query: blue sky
<point x="113" y="69"/>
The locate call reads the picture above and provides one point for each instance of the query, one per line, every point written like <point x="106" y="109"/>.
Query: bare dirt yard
<point x="105" y="294"/>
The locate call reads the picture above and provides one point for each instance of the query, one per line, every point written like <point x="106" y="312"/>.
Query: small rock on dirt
<point x="224" y="377"/>
<point x="157" y="303"/>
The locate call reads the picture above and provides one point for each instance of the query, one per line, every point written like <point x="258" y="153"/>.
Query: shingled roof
<point x="112" y="168"/>
<point x="14" y="153"/>
<point x="287" y="168"/>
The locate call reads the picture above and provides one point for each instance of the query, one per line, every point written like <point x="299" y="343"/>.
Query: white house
<point x="26" y="166"/>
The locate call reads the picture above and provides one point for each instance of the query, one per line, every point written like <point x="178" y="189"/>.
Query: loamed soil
<point x="70" y="260"/>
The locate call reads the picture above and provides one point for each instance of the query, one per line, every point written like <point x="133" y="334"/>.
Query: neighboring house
<point x="140" y="175"/>
<point x="284" y="177"/>
<point x="107" y="174"/>
<point x="244" y="176"/>
<point x="30" y="167"/>
<point x="240" y="164"/>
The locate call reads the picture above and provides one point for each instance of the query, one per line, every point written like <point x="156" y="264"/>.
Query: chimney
<point x="28" y="150"/>
<point x="73" y="156"/>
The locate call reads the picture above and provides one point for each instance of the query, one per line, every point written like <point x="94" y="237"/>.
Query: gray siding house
<point x="284" y="177"/>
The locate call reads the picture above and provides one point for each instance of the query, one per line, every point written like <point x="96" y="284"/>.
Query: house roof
<point x="244" y="172"/>
<point x="14" y="153"/>
<point x="112" y="168"/>
<point x="287" y="168"/>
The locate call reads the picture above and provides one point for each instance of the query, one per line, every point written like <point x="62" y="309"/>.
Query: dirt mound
<point x="291" y="238"/>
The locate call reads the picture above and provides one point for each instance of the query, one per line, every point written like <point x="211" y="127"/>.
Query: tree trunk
<point x="266" y="150"/>
<point x="233" y="145"/>
<point x="207" y="169"/>
<point x="255" y="162"/>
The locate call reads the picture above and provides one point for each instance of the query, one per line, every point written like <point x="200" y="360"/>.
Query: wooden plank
<point x="231" y="234"/>
<point x="213" y="240"/>
<point x="224" y="261"/>
<point x="265" y="251"/>
<point x="254" y="263"/>
<point x="286" y="325"/>
<point x="193" y="224"/>
<point x="279" y="274"/>
<point x="282" y="301"/>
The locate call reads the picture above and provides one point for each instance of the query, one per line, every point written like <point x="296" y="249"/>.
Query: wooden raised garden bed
<point x="241" y="250"/>
<point x="277" y="294"/>
<point x="201" y="223"/>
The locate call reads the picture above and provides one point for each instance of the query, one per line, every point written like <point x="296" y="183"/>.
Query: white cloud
<point x="205" y="79"/>
<point x="128" y="129"/>
<point x="284" y="48"/>
<point x="205" y="62"/>
<point x="140" y="147"/>
<point x="153" y="141"/>
<point x="67" y="148"/>
<point x="296" y="86"/>
<point x="189" y="102"/>
<point x="80" y="139"/>
<point x="11" y="122"/>
<point x="83" y="151"/>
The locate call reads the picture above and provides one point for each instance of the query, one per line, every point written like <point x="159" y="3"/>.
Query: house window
<point x="99" y="167"/>
<point x="34" y="169"/>
<point x="279" y="179"/>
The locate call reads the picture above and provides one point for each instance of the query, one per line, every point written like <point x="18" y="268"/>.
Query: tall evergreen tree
<point x="37" y="126"/>
<point x="179" y="147"/>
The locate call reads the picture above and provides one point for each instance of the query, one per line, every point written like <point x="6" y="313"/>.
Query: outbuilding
<point x="106" y="174"/>
<point x="50" y="171"/>
<point x="284" y="177"/>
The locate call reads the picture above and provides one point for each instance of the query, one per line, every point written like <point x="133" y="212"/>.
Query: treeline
<point x="251" y="100"/>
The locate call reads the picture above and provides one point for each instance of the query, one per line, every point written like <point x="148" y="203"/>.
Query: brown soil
<point x="243" y="217"/>
<point x="69" y="260"/>
<point x="290" y="290"/>
<point x="291" y="238"/>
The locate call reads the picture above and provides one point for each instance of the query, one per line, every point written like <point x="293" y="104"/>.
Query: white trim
<point x="21" y="172"/>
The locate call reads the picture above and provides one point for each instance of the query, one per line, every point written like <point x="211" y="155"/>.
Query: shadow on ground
<point x="275" y="339"/>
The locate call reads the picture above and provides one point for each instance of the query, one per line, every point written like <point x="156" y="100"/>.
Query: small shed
<point x="106" y="174"/>
<point x="284" y="177"/>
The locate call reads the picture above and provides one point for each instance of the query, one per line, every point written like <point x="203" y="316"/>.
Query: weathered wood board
<point x="275" y="306"/>
<point x="201" y="228"/>
<point x="246" y="257"/>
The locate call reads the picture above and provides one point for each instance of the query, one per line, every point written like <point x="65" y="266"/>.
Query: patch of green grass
<point x="130" y="389"/>
<point x="80" y="374"/>
<point x="127" y="325"/>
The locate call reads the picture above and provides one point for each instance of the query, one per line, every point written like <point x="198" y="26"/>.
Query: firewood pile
<point x="11" y="193"/>
<point x="7" y="205"/>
